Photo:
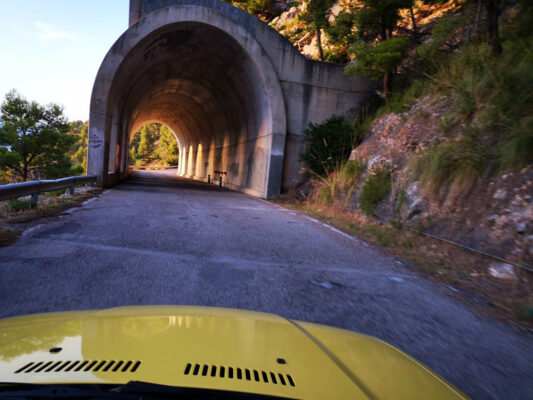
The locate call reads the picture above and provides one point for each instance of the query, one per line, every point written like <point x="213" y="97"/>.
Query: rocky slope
<point x="493" y="215"/>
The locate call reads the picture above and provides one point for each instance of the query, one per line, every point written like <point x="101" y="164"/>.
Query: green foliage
<point x="379" y="235"/>
<point x="401" y="200"/>
<point x="78" y="152"/>
<point x="431" y="52"/>
<point x="402" y="100"/>
<point x="375" y="61"/>
<point x="497" y="91"/>
<point x="254" y="7"/>
<point x="154" y="144"/>
<point x="453" y="165"/>
<point x="341" y="32"/>
<point x="516" y="149"/>
<point x="316" y="18"/>
<point x="361" y="126"/>
<point x="379" y="18"/>
<point x="327" y="192"/>
<point x="350" y="173"/>
<point x="328" y="145"/>
<point x="167" y="147"/>
<point x="33" y="136"/>
<point x="146" y="143"/>
<point x="336" y="56"/>
<point x="17" y="205"/>
<point x="375" y="187"/>
<point x="446" y="122"/>
<point x="317" y="13"/>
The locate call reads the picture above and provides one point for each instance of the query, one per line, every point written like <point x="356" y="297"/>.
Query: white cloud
<point x="50" y="32"/>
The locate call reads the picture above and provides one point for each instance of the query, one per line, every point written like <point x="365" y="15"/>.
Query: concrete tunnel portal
<point x="202" y="85"/>
<point x="206" y="70"/>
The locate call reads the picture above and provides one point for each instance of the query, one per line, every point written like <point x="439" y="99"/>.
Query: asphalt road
<point x="160" y="240"/>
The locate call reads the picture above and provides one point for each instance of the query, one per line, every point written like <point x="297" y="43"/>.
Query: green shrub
<point x="496" y="91"/>
<point x="517" y="149"/>
<point x="453" y="164"/>
<point x="446" y="122"/>
<point x="361" y="126"/>
<point x="329" y="145"/>
<point x="380" y="237"/>
<point x="430" y="52"/>
<point x="375" y="188"/>
<point x="350" y="173"/>
<point x="401" y="200"/>
<point x="326" y="193"/>
<point x="54" y="193"/>
<point x="402" y="100"/>
<point x="17" y="205"/>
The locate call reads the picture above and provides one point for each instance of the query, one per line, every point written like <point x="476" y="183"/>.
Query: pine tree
<point x="316" y="17"/>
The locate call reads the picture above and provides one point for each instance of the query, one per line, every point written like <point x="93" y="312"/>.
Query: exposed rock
<point x="522" y="227"/>
<point x="491" y="219"/>
<point x="500" y="194"/>
<point x="502" y="271"/>
<point x="378" y="161"/>
<point x="494" y="215"/>
<point x="415" y="203"/>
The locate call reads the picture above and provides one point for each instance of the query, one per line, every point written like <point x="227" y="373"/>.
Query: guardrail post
<point x="71" y="190"/>
<point x="208" y="178"/>
<point x="34" y="199"/>
<point x="220" y="181"/>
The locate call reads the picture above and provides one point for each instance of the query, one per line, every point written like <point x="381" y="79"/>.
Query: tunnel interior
<point x="202" y="84"/>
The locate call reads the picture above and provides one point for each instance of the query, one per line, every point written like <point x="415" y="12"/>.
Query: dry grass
<point x="49" y="207"/>
<point x="466" y="272"/>
<point x="8" y="237"/>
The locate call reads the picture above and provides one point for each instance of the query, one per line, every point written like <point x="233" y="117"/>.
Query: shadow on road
<point x="168" y="179"/>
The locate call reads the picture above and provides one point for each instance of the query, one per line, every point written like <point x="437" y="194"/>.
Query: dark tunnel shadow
<point x="138" y="179"/>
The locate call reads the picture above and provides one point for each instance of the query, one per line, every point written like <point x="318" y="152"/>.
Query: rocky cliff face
<point x="495" y="214"/>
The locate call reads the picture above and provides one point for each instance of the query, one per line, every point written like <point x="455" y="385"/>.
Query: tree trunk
<point x="493" y="35"/>
<point x="478" y="15"/>
<point x="25" y="173"/>
<point x="387" y="85"/>
<point x="413" y="21"/>
<point x="383" y="30"/>
<point x="319" y="45"/>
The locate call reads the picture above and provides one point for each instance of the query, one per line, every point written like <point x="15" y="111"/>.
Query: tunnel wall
<point x="286" y="92"/>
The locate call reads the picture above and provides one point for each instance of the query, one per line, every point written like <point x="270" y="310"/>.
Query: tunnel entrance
<point x="201" y="81"/>
<point x="235" y="92"/>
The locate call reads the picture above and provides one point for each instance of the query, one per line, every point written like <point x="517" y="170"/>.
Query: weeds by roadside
<point x="8" y="237"/>
<point x="49" y="207"/>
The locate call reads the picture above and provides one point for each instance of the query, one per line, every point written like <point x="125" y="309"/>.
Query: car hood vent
<point x="80" y="366"/>
<point x="253" y="375"/>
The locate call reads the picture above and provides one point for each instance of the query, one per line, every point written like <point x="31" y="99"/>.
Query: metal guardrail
<point x="33" y="188"/>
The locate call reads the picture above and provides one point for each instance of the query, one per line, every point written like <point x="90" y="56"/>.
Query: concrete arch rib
<point x="224" y="101"/>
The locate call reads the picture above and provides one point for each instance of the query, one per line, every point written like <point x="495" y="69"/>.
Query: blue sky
<point x="50" y="50"/>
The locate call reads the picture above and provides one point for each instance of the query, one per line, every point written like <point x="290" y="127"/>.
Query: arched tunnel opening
<point x="197" y="80"/>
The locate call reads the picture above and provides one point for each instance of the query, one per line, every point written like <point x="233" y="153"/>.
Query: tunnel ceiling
<point x="195" y="79"/>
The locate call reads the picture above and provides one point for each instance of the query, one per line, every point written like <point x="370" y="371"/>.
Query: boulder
<point x="415" y="203"/>
<point x="502" y="271"/>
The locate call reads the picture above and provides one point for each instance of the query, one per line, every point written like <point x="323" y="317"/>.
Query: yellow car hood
<point x="211" y="348"/>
